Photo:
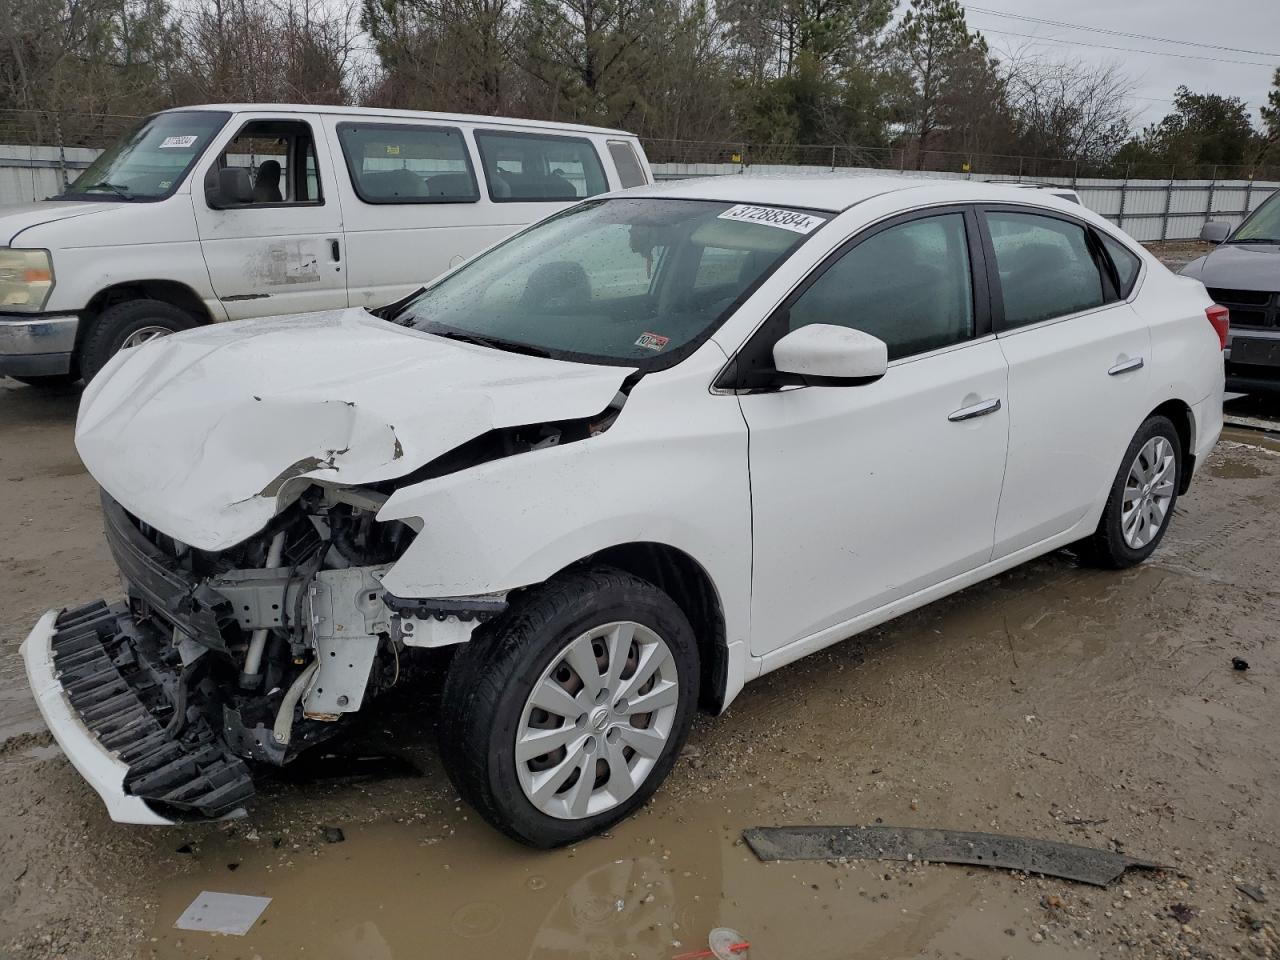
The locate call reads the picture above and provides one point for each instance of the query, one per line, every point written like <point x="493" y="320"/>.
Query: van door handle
<point x="335" y="251"/>
<point x="975" y="410"/>
<point x="1125" y="366"/>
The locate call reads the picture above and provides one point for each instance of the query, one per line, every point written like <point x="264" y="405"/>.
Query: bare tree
<point x="1069" y="109"/>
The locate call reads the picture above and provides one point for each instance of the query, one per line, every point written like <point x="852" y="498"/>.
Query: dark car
<point x="1243" y="274"/>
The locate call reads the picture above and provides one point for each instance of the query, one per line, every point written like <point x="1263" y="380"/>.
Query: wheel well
<point x="1179" y="415"/>
<point x="166" y="291"/>
<point x="684" y="580"/>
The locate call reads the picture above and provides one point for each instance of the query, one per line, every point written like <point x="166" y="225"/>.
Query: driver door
<point x="280" y="249"/>
<point x="863" y="495"/>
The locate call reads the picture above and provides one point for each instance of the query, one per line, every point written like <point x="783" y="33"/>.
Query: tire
<point x="51" y="381"/>
<point x="109" y="331"/>
<point x="486" y="706"/>
<point x="1109" y="546"/>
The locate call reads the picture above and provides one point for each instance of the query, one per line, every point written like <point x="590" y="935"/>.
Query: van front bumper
<point x="37" y="346"/>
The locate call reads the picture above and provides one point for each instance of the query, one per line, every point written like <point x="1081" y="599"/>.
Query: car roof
<point x="836" y="194"/>
<point x="401" y="115"/>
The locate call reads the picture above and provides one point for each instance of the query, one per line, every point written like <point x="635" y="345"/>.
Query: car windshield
<point x="1263" y="226"/>
<point x="150" y="161"/>
<point x="625" y="281"/>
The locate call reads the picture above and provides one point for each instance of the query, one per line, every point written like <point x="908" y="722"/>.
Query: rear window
<point x="630" y="173"/>
<point x="523" y="167"/>
<point x="1126" y="263"/>
<point x="400" y="163"/>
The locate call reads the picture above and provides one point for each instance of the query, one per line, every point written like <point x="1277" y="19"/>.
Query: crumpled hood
<point x="199" y="434"/>
<point x="1238" y="266"/>
<point x="13" y="220"/>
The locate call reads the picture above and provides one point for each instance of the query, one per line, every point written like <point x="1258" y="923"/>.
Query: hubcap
<point x="597" y="721"/>
<point x="143" y="334"/>
<point x="1148" y="493"/>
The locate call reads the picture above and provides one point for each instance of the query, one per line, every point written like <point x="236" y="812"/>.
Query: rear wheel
<point x="129" y="324"/>
<point x="563" y="716"/>
<point x="1142" y="498"/>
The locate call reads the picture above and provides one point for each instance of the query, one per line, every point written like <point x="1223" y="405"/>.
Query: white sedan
<point x="622" y="463"/>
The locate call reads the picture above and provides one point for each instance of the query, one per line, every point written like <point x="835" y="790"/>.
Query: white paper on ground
<point x="231" y="913"/>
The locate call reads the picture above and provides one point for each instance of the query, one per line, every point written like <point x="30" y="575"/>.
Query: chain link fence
<point x="43" y="151"/>
<point x="717" y="156"/>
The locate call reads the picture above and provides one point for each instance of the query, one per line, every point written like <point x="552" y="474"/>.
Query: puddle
<point x="654" y="889"/>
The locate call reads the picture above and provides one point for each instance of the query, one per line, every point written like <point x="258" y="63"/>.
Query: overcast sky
<point x="1244" y="25"/>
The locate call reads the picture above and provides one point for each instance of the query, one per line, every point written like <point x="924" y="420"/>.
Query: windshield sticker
<point x="791" y="220"/>
<point x="653" y="341"/>
<point x="170" y="143"/>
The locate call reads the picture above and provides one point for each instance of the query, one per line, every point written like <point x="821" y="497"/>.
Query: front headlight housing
<point x="26" y="280"/>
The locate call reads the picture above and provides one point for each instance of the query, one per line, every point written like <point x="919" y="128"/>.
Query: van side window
<point x="1046" y="267"/>
<point x="404" y="163"/>
<point x="630" y="173"/>
<point x="521" y="167"/>
<point x="276" y="161"/>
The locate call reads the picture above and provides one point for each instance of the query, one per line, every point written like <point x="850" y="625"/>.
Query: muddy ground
<point x="1054" y="701"/>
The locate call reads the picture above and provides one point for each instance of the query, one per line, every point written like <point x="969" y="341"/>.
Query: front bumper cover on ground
<point x="94" y="676"/>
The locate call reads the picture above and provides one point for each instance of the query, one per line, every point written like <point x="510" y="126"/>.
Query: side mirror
<point x="1215" y="231"/>
<point x="227" y="187"/>
<point x="822" y="354"/>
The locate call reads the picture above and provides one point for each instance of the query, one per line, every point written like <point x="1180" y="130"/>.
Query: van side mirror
<point x="227" y="187"/>
<point x="823" y="354"/>
<point x="1215" y="231"/>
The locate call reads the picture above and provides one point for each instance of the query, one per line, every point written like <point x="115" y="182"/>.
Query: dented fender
<point x="516" y="521"/>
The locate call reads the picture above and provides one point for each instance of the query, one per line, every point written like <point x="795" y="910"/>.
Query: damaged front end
<point x="217" y="661"/>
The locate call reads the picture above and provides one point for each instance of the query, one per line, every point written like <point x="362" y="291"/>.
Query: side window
<point x="403" y="163"/>
<point x="527" y="166"/>
<point x="276" y="160"/>
<point x="1046" y="267"/>
<point x="1125" y="261"/>
<point x="630" y="173"/>
<point x="910" y="285"/>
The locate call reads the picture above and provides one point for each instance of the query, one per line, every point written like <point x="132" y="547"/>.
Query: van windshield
<point x="635" y="281"/>
<point x="151" y="160"/>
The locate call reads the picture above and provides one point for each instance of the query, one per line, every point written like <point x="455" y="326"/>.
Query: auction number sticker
<point x="792" y="220"/>
<point x="170" y="143"/>
<point x="653" y="341"/>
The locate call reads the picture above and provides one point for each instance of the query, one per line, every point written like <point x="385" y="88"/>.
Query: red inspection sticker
<point x="653" y="341"/>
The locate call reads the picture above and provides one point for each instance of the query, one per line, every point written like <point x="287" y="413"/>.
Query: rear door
<point x="1079" y="369"/>
<point x="281" y="252"/>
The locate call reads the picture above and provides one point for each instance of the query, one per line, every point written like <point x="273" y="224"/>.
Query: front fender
<point x="655" y="476"/>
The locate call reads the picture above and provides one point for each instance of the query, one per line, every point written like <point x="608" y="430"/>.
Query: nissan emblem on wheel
<point x="620" y="465"/>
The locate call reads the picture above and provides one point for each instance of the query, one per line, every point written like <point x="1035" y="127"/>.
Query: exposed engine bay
<point x="253" y="653"/>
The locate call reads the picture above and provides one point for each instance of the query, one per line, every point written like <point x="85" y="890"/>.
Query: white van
<point x="244" y="210"/>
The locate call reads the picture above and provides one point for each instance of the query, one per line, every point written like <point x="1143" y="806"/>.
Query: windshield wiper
<point x="1256" y="240"/>
<point x="496" y="343"/>
<point x="115" y="188"/>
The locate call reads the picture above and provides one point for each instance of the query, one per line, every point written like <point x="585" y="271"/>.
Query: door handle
<point x="335" y="251"/>
<point x="1125" y="366"/>
<point x="975" y="410"/>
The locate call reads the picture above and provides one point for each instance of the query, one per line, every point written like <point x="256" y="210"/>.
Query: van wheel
<point x="129" y="324"/>
<point x="564" y="715"/>
<point x="1141" y="501"/>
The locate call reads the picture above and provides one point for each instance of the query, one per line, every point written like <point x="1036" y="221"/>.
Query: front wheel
<point x="564" y="715"/>
<point x="1140" y="504"/>
<point x="129" y="324"/>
